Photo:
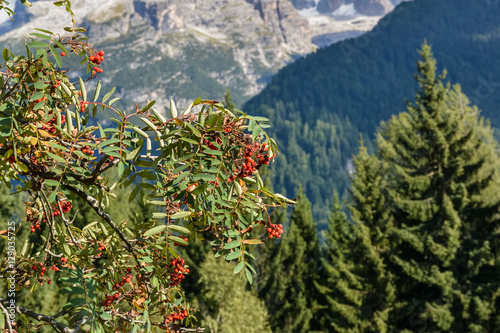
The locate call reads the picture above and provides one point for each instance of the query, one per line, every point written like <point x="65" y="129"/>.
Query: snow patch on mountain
<point x="345" y="12"/>
<point x="344" y="21"/>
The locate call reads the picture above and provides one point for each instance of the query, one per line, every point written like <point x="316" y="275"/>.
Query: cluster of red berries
<point x="66" y="207"/>
<point x="82" y="105"/>
<point x="210" y="144"/>
<point x="97" y="59"/>
<point x="110" y="298"/>
<point x="255" y="156"/>
<point x="275" y="230"/>
<point x="41" y="269"/>
<point x="40" y="100"/>
<point x="177" y="276"/>
<point x="11" y="159"/>
<point x="110" y="159"/>
<point x="126" y="279"/>
<point x="49" y="129"/>
<point x="35" y="227"/>
<point x="54" y="120"/>
<point x="54" y="268"/>
<point x="97" y="70"/>
<point x="100" y="248"/>
<point x="35" y="223"/>
<point x="64" y="260"/>
<point x="176" y="316"/>
<point x="50" y="125"/>
<point x="87" y="150"/>
<point x="58" y="83"/>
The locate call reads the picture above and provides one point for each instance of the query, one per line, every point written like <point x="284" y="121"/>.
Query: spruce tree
<point x="340" y="289"/>
<point x="358" y="288"/>
<point x="289" y="293"/>
<point x="442" y="169"/>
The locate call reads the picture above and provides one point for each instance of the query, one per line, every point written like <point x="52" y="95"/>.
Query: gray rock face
<point x="329" y="6"/>
<point x="370" y="7"/>
<point x="364" y="7"/>
<point x="303" y="4"/>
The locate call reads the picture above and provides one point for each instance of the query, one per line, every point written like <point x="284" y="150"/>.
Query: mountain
<point x="192" y="48"/>
<point x="320" y="104"/>
<point x="181" y="48"/>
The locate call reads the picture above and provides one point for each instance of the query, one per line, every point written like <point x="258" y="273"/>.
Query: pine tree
<point x="289" y="293"/>
<point x="358" y="288"/>
<point x="442" y="170"/>
<point x="340" y="290"/>
<point x="228" y="101"/>
<point x="372" y="226"/>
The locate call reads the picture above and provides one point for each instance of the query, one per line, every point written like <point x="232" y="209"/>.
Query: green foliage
<point x="225" y="304"/>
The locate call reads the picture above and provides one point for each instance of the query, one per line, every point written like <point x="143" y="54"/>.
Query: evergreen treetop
<point x="441" y="165"/>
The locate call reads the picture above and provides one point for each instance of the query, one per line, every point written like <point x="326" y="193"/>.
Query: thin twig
<point x="67" y="223"/>
<point x="53" y="254"/>
<point x="7" y="319"/>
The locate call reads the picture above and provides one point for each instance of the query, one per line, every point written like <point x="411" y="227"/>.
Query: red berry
<point x="101" y="53"/>
<point x="63" y="54"/>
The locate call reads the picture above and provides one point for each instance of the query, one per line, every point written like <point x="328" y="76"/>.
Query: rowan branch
<point x="40" y="317"/>
<point x="94" y="203"/>
<point x="4" y="310"/>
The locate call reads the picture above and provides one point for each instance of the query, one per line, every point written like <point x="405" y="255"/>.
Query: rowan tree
<point x="198" y="168"/>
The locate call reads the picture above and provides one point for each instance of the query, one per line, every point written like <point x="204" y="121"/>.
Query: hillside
<point x="321" y="103"/>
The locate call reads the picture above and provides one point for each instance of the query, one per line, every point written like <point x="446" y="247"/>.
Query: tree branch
<point x="95" y="205"/>
<point x="40" y="317"/>
<point x="7" y="319"/>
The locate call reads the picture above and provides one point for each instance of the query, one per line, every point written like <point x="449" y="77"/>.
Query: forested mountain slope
<point x="320" y="103"/>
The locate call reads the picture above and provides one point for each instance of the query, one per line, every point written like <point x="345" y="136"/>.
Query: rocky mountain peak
<point x="363" y="7"/>
<point x="331" y="21"/>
